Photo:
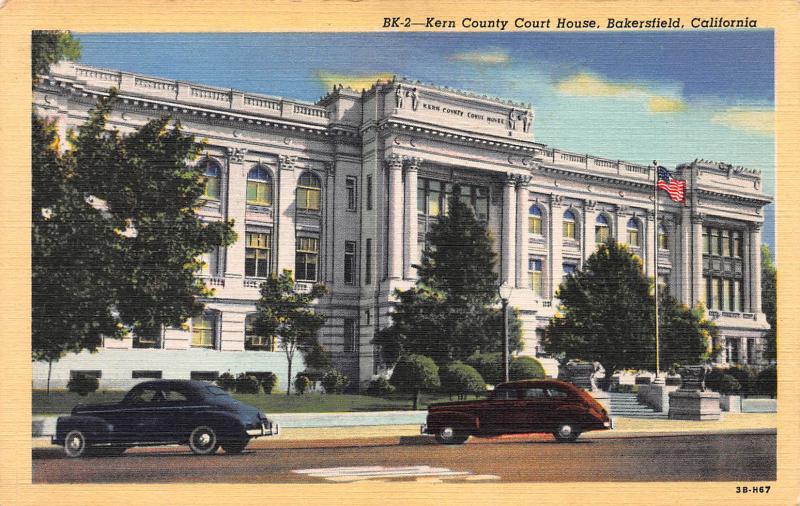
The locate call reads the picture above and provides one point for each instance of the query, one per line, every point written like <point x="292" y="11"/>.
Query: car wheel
<point x="203" y="440"/>
<point x="234" y="447"/>
<point x="450" y="436"/>
<point x="566" y="433"/>
<point x="75" y="444"/>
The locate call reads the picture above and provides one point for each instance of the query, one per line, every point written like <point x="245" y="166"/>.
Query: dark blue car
<point x="163" y="412"/>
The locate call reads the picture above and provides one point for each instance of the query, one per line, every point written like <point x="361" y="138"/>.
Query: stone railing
<point x="595" y="164"/>
<point x="214" y="280"/>
<point x="252" y="282"/>
<point x="715" y="314"/>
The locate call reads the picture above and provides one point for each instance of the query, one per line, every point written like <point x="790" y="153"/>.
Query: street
<point x="685" y="457"/>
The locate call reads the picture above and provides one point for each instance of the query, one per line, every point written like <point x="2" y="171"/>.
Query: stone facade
<point x="379" y="164"/>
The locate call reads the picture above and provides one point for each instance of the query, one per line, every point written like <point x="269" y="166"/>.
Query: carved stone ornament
<point x="698" y="218"/>
<point x="589" y="205"/>
<point x="412" y="163"/>
<point x="394" y="161"/>
<point x="237" y="154"/>
<point x="287" y="162"/>
<point x="693" y="377"/>
<point x="556" y="200"/>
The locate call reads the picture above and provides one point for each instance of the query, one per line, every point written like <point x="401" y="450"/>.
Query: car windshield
<point x="216" y="390"/>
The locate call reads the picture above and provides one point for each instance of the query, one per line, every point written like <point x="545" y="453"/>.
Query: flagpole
<point x="655" y="252"/>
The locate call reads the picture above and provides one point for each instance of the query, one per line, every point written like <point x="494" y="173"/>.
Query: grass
<point x="62" y="401"/>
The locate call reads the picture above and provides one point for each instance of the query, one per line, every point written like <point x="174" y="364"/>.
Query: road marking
<point x="363" y="473"/>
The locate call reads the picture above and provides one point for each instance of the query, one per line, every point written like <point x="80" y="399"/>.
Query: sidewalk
<point x="408" y="433"/>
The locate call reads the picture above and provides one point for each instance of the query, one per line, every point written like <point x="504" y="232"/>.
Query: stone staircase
<point x="626" y="405"/>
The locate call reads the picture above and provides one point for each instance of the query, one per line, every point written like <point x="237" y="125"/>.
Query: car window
<point x="504" y="394"/>
<point x="557" y="393"/>
<point x="533" y="393"/>
<point x="174" y="396"/>
<point x="146" y="396"/>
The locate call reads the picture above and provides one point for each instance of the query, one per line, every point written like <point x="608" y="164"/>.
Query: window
<point x="633" y="232"/>
<point x="738" y="296"/>
<point x="481" y="203"/>
<point x="601" y="230"/>
<point x="211" y="186"/>
<point x="569" y="225"/>
<point x="350" y="336"/>
<point x="732" y="350"/>
<point x="714" y="241"/>
<point x="204" y="375"/>
<point x="146" y="374"/>
<point x="209" y="263"/>
<point x="663" y="281"/>
<point x="349" y="262"/>
<point x="421" y="196"/>
<point x="368" y="262"/>
<point x="173" y="395"/>
<point x="306" y="259"/>
<point x="554" y="392"/>
<point x="367" y="316"/>
<point x="737" y="244"/>
<point x="204" y="329"/>
<point x="73" y="374"/>
<point x="350" y="186"/>
<point x="253" y="341"/>
<point x="259" y="187"/>
<point x="751" y="351"/>
<point x="535" y="273"/>
<point x="535" y="220"/>
<point x="568" y="268"/>
<point x="713" y="299"/>
<point x="533" y="393"/>
<point x="706" y="242"/>
<point x="308" y="192"/>
<point x="662" y="238"/>
<point x="725" y="300"/>
<point x="369" y="193"/>
<point x="725" y="243"/>
<point x="257" y="254"/>
<point x="434" y="196"/>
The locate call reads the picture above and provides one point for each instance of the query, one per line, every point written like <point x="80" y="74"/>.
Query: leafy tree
<point x="287" y="314"/>
<point x="686" y="336"/>
<point x="461" y="379"/>
<point x="414" y="374"/>
<point x="301" y="384"/>
<point x="50" y="46"/>
<point x="489" y="366"/>
<point x="451" y="313"/>
<point x="524" y="367"/>
<point x="769" y="301"/>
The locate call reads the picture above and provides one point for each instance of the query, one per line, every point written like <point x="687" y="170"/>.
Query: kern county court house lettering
<point x="342" y="191"/>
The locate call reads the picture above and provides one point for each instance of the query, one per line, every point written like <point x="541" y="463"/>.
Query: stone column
<point x="747" y="306"/>
<point x="329" y="223"/>
<point x="588" y="244"/>
<point x="509" y="220"/>
<point x="556" y="236"/>
<point x="410" y="249"/>
<point x="522" y="232"/>
<point x="697" y="258"/>
<point x="284" y="240"/>
<point x="743" y="350"/>
<point x="621" y="225"/>
<point x="685" y="257"/>
<point x="395" y="232"/>
<point x="755" y="267"/>
<point x="651" y="245"/>
<point x="236" y="206"/>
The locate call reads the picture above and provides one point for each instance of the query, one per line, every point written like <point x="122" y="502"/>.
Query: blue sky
<point x="637" y="96"/>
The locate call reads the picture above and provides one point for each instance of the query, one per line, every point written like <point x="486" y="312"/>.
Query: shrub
<point x="301" y="383"/>
<point x="766" y="383"/>
<point x="461" y="379"/>
<point x="489" y="366"/>
<point x="414" y="374"/>
<point x="83" y="385"/>
<point x="246" y="384"/>
<point x="525" y="368"/>
<point x="728" y="385"/>
<point x="269" y="381"/>
<point x="334" y="382"/>
<point x="380" y="387"/>
<point x="744" y="375"/>
<point x="226" y="381"/>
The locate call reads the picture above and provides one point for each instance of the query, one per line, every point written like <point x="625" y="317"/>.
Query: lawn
<point x="62" y="401"/>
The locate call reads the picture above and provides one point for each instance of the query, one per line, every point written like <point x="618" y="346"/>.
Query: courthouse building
<point x="342" y="191"/>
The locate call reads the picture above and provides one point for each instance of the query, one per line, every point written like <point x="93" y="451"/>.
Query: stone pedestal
<point x="657" y="395"/>
<point x="731" y="403"/>
<point x="693" y="405"/>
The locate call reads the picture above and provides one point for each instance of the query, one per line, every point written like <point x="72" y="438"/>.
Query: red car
<point x="519" y="407"/>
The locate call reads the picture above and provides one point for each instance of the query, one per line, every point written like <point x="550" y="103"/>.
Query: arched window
<point x="601" y="230"/>
<point x="308" y="192"/>
<point x="634" y="238"/>
<point x="212" y="176"/>
<point x="663" y="242"/>
<point x="569" y="225"/>
<point x="535" y="220"/>
<point x="259" y="187"/>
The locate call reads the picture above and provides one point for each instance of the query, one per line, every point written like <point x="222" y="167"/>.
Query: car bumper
<point x="266" y="429"/>
<point x="423" y="429"/>
<point x="608" y="424"/>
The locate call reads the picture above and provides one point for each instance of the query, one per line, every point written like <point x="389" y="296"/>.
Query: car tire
<point x="234" y="447"/>
<point x="450" y="436"/>
<point x="203" y="440"/>
<point x="566" y="433"/>
<point x="75" y="444"/>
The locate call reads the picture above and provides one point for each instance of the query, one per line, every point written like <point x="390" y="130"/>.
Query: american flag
<point x="675" y="187"/>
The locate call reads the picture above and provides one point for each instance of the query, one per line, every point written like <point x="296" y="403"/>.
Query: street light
<point x="504" y="291"/>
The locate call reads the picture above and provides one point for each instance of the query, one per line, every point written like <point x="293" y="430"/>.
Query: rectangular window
<point x="733" y="350"/>
<point x="306" y="259"/>
<point x="368" y="262"/>
<point x="751" y="351"/>
<point x="569" y="230"/>
<point x="434" y="194"/>
<point x="210" y="263"/>
<point x="146" y="374"/>
<point x="482" y="203"/>
<point x="725" y="242"/>
<point x="633" y="237"/>
<point x="421" y="196"/>
<point x="568" y="268"/>
<point x="601" y="234"/>
<point x="203" y="375"/>
<point x="726" y="301"/>
<point x="257" y="254"/>
<point x="737" y="244"/>
<point x="259" y="193"/>
<point x="369" y="192"/>
<point x="349" y="262"/>
<point x="535" y="225"/>
<point x="738" y="296"/>
<point x="253" y="341"/>
<point x="204" y="328"/>
<point x="706" y="241"/>
<point x="713" y="302"/>
<point x="350" y="336"/>
<point x="714" y="241"/>
<point x="85" y="374"/>
<point x="308" y="198"/>
<point x="535" y="272"/>
<point x="350" y="186"/>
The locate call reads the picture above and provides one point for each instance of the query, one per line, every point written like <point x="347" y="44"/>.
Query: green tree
<point x="287" y="314"/>
<point x="606" y="313"/>
<point x="451" y="313"/>
<point x="769" y="301"/>
<point x="461" y="379"/>
<point x="51" y="46"/>
<point x="414" y="374"/>
<point x="686" y="336"/>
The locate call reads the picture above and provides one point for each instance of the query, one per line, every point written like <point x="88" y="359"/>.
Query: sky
<point x="635" y="96"/>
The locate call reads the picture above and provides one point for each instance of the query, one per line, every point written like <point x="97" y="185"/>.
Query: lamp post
<point x="505" y="292"/>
